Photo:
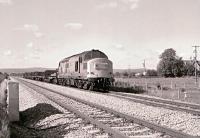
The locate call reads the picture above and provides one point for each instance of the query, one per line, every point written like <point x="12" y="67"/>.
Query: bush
<point x="2" y="77"/>
<point x="152" y="72"/>
<point x="4" y="130"/>
<point x="166" y="88"/>
<point x="182" y="90"/>
<point x="135" y="89"/>
<point x="158" y="86"/>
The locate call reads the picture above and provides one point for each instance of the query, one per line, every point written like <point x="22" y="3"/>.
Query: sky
<point x="40" y="33"/>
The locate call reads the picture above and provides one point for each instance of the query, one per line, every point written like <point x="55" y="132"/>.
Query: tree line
<point x="170" y="65"/>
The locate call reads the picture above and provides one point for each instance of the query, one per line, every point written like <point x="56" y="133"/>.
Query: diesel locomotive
<point x="87" y="70"/>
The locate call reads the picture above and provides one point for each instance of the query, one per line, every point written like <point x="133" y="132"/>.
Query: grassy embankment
<point x="184" y="89"/>
<point x="4" y="121"/>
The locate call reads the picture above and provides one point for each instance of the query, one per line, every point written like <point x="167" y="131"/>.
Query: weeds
<point x="4" y="122"/>
<point x="126" y="87"/>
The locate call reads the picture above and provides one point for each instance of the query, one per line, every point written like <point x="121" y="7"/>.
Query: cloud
<point x="131" y="4"/>
<point x="38" y="34"/>
<point x="34" y="52"/>
<point x="6" y="2"/>
<point x="108" y="5"/>
<point x="34" y="56"/>
<point x="31" y="56"/>
<point x="38" y="50"/>
<point x="134" y="6"/>
<point x="119" y="46"/>
<point x="74" y="26"/>
<point x="31" y="28"/>
<point x="7" y="52"/>
<point x="26" y="58"/>
<point x="121" y="4"/>
<point x="29" y="45"/>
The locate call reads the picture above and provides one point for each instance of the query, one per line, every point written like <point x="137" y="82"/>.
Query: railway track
<point x="169" y="104"/>
<point x="114" y="123"/>
<point x="158" y="102"/>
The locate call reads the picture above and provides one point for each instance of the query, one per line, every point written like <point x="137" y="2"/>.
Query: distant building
<point x="144" y="73"/>
<point x="138" y="74"/>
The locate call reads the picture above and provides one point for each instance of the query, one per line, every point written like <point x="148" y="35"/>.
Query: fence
<point x="183" y="89"/>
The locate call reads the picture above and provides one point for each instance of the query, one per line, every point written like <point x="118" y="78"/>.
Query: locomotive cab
<point x="100" y="72"/>
<point x="89" y="70"/>
<point x="99" y="68"/>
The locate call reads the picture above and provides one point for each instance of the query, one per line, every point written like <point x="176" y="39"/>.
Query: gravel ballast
<point x="40" y="117"/>
<point x="177" y="120"/>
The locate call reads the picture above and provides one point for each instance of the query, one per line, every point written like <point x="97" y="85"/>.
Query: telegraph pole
<point x="129" y="71"/>
<point x="195" y="61"/>
<point x="144" y="65"/>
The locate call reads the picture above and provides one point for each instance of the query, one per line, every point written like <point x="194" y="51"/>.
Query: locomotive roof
<point x="83" y="53"/>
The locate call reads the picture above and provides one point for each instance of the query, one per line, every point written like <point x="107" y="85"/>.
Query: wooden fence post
<point x="199" y="83"/>
<point x="178" y="94"/>
<point x="146" y="86"/>
<point x="171" y="85"/>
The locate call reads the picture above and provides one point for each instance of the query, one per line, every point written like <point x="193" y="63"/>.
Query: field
<point x="184" y="89"/>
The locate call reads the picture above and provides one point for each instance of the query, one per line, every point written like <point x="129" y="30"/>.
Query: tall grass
<point x="4" y="123"/>
<point x="184" y="89"/>
<point x="4" y="120"/>
<point x="2" y="77"/>
<point x="120" y="86"/>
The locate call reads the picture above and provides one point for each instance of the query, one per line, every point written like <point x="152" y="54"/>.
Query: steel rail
<point x="105" y="128"/>
<point x="157" y="104"/>
<point x="177" y="103"/>
<point x="172" y="105"/>
<point x="162" y="129"/>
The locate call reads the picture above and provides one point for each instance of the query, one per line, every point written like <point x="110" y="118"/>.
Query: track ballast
<point x="112" y="122"/>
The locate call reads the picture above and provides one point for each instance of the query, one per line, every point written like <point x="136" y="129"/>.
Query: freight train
<point x="88" y="70"/>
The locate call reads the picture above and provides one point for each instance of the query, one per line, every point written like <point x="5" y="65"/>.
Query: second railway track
<point x="115" y="123"/>
<point x="169" y="104"/>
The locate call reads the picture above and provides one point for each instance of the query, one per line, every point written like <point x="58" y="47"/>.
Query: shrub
<point x="135" y="89"/>
<point x="165" y="88"/>
<point x="4" y="131"/>
<point x="158" y="86"/>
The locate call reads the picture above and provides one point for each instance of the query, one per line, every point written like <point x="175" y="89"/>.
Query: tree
<point x="189" y="69"/>
<point x="170" y="64"/>
<point x="117" y="74"/>
<point x="6" y="75"/>
<point x="179" y="67"/>
<point x="131" y="74"/>
<point x="125" y="74"/>
<point x="152" y="72"/>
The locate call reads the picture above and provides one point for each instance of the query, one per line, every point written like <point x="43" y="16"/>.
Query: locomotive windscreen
<point x="101" y="66"/>
<point x="94" y="54"/>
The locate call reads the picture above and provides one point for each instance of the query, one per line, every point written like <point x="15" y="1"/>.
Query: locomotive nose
<point x="100" y="68"/>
